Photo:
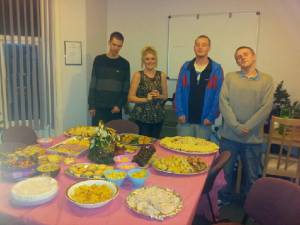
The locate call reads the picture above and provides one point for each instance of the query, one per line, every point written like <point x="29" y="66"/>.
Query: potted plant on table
<point x="103" y="145"/>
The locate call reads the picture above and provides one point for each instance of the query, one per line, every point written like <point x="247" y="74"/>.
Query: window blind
<point x="26" y="63"/>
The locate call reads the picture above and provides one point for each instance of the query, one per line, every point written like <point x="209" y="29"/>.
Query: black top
<point x="109" y="83"/>
<point x="197" y="92"/>
<point x="153" y="111"/>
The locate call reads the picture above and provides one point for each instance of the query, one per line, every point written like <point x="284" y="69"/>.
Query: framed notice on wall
<point x="73" y="53"/>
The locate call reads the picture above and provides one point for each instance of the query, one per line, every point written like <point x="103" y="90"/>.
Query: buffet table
<point x="60" y="211"/>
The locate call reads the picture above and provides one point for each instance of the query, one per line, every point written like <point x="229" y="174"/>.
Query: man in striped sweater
<point x="109" y="83"/>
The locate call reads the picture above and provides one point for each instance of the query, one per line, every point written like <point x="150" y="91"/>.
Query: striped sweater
<point x="109" y="83"/>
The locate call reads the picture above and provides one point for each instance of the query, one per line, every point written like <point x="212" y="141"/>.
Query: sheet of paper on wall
<point x="73" y="53"/>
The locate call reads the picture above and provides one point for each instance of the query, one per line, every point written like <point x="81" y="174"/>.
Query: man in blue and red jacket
<point x="197" y="92"/>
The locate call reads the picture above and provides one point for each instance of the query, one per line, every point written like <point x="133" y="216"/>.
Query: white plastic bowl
<point x="45" y="142"/>
<point x="34" y="191"/>
<point x="111" y="185"/>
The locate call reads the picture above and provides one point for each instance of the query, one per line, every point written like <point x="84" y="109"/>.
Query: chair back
<point x="9" y="147"/>
<point x="285" y="133"/>
<point x="274" y="201"/>
<point x="123" y="126"/>
<point x="20" y="134"/>
<point x="217" y="165"/>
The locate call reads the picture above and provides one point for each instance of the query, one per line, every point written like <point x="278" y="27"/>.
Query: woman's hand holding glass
<point x="149" y="97"/>
<point x="155" y="94"/>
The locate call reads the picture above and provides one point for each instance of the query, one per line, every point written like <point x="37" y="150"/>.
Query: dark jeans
<point x="150" y="129"/>
<point x="251" y="158"/>
<point x="105" y="115"/>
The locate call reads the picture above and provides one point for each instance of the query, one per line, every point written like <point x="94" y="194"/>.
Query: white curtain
<point x="26" y="65"/>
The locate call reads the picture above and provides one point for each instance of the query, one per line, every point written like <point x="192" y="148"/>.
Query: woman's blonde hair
<point x="148" y="50"/>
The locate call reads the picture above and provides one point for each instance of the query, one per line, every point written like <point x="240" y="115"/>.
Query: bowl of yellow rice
<point x="115" y="176"/>
<point x="138" y="176"/>
<point x="92" y="193"/>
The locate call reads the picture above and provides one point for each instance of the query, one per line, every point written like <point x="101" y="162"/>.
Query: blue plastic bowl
<point x="119" y="181"/>
<point x="137" y="182"/>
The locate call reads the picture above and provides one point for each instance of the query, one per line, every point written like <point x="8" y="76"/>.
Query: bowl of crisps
<point x="123" y="158"/>
<point x="45" y="142"/>
<point x="115" y="176"/>
<point x="92" y="193"/>
<point x="50" y="158"/>
<point x="138" y="176"/>
<point x="48" y="169"/>
<point x="127" y="166"/>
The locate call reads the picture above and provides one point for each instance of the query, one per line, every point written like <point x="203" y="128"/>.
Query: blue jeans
<point x="194" y="130"/>
<point x="251" y="158"/>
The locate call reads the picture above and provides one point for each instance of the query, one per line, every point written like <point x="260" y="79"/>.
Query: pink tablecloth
<point x="61" y="212"/>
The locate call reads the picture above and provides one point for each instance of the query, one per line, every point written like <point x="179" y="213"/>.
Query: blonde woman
<point x="148" y="90"/>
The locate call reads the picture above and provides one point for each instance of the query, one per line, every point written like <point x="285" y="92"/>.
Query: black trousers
<point x="150" y="129"/>
<point x="105" y="115"/>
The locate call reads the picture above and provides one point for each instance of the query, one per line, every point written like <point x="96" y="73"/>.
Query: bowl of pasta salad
<point x="92" y="193"/>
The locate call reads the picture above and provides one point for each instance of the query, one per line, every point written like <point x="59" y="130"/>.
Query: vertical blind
<point x="26" y="64"/>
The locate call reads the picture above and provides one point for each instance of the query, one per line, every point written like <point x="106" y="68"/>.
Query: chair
<point x="10" y="220"/>
<point x="10" y="147"/>
<point x="272" y="201"/>
<point x="285" y="133"/>
<point x="20" y="134"/>
<point x="123" y="126"/>
<point x="217" y="165"/>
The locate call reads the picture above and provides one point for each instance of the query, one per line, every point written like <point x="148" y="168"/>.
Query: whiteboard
<point x="227" y="32"/>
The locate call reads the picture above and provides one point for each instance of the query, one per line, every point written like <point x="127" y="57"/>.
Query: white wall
<point x="85" y="21"/>
<point x="76" y="20"/>
<point x="96" y="13"/>
<point x="70" y="80"/>
<point x="145" y="22"/>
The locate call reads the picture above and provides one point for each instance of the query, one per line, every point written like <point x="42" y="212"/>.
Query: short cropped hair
<point x="145" y="51"/>
<point x="242" y="47"/>
<point x="116" y="35"/>
<point x="203" y="36"/>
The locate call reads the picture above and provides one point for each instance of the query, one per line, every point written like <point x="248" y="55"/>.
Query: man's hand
<point x="181" y="119"/>
<point x="245" y="131"/>
<point x="92" y="112"/>
<point x="115" y="109"/>
<point x="206" y="122"/>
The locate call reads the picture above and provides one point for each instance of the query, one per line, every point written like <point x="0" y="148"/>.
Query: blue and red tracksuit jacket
<point x="210" y="109"/>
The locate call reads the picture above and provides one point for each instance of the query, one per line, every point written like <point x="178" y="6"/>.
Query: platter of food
<point x="189" y="145"/>
<point x="74" y="147"/>
<point x="84" y="131"/>
<point x="21" y="163"/>
<point x="135" y="139"/>
<point x="155" y="202"/>
<point x="30" y="151"/>
<point x="92" y="193"/>
<point x="87" y="170"/>
<point x="180" y="165"/>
